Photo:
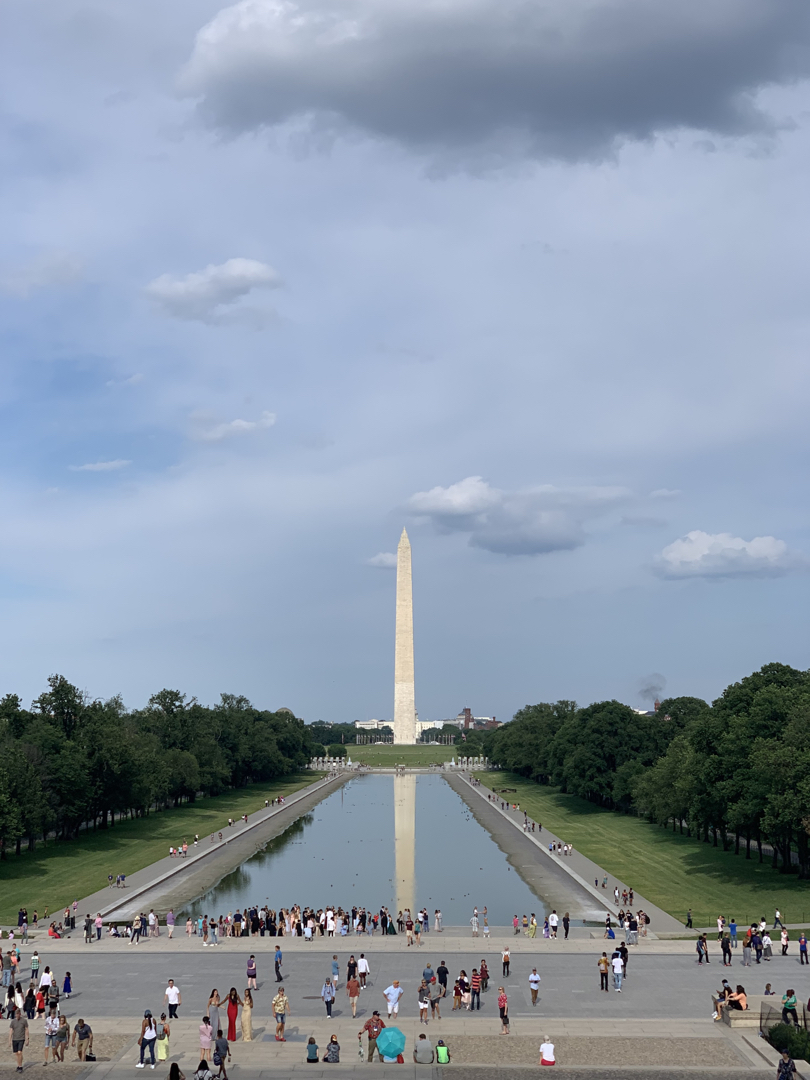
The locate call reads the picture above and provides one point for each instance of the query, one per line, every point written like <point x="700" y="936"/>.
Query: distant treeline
<point x="735" y="773"/>
<point x="69" y="761"/>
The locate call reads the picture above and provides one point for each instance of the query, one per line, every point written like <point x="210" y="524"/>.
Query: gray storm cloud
<point x="536" y="77"/>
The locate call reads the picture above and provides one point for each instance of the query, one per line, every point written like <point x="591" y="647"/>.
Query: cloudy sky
<point x="529" y="277"/>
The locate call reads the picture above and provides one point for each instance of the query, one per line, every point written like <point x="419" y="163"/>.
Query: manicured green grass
<point x="673" y="871"/>
<point x="389" y="756"/>
<point x="61" y="871"/>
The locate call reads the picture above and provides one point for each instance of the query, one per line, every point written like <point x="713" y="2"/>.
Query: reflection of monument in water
<point x="404" y="695"/>
<point x="404" y="840"/>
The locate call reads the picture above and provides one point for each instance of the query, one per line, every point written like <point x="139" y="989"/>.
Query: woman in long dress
<point x="214" y="1002"/>
<point x="247" y="1017"/>
<point x="234" y="1001"/>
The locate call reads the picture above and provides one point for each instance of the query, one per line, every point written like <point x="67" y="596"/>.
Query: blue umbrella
<point x="390" y="1042"/>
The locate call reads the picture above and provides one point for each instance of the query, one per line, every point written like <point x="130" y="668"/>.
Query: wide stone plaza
<point x="660" y="1025"/>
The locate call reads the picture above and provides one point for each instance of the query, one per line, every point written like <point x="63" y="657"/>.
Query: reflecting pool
<point x="382" y="840"/>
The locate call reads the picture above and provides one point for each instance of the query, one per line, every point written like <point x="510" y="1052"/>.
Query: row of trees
<point x="69" y="761"/>
<point x="734" y="773"/>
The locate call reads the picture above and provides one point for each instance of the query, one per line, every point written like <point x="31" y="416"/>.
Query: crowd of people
<point x="309" y="923"/>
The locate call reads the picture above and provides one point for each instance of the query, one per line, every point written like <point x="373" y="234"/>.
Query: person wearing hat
<point x="373" y="1026"/>
<point x="442" y="1053"/>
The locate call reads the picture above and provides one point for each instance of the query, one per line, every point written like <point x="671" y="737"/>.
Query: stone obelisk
<point x="404" y="698"/>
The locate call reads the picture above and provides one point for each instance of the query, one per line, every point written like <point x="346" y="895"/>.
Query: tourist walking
<point x="277" y="961"/>
<point x="247" y="1017"/>
<point x="251" y="973"/>
<point x="173" y="998"/>
<point x="784" y="941"/>
<point x="505" y="961"/>
<point x="392" y="994"/>
<point x="442" y="973"/>
<point x="725" y="947"/>
<point x="51" y="1029"/>
<point x="18" y="1037"/>
<point x="82" y="1039"/>
<point x="353" y="992"/>
<point x="281" y="1010"/>
<point x="503" y="1010"/>
<point x="786" y="1067"/>
<point x="328" y="995"/>
<point x="802" y="949"/>
<point x="222" y="1053"/>
<point x="363" y="970"/>
<point x="534" y="985"/>
<point x="423" y="996"/>
<point x="234" y="1001"/>
<point x="170" y="922"/>
<point x="604" y="967"/>
<point x="373" y="1026"/>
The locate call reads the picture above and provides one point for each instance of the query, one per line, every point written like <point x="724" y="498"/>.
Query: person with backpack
<point x="163" y="1034"/>
<point x="222" y="1051"/>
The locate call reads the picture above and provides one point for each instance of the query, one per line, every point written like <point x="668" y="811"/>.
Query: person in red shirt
<point x="475" y="990"/>
<point x="373" y="1026"/>
<point x="503" y="1009"/>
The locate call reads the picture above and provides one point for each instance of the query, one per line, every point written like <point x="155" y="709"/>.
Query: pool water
<point x="382" y="840"/>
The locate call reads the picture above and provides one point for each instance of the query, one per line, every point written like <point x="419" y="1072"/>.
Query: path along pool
<point x="398" y="841"/>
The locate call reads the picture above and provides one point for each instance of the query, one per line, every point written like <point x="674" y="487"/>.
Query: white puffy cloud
<point x="702" y="554"/>
<point x="205" y="428"/>
<point x="665" y="493"/>
<point x="53" y="268"/>
<point x="384" y="560"/>
<point x="540" y="77"/>
<point x="212" y="293"/>
<point x="534" y="521"/>
<point x="101" y="466"/>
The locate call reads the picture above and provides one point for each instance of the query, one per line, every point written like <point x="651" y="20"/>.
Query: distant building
<point x="465" y="721"/>
<point x="371" y="725"/>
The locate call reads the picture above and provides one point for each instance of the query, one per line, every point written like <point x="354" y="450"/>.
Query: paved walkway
<point x="581" y="869"/>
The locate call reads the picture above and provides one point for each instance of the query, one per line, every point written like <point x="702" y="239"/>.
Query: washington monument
<point x="404" y="698"/>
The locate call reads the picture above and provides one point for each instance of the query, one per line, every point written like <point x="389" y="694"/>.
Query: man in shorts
<point x="51" y="1028"/>
<point x="281" y="1010"/>
<point x="392" y="995"/>
<point x="353" y="991"/>
<point x="18" y="1036"/>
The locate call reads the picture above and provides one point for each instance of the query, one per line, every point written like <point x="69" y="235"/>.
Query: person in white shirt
<point x="547" y="1052"/>
<point x="553" y="920"/>
<point x="392" y="995"/>
<point x="534" y="985"/>
<point x="173" y="998"/>
<point x="51" y="1028"/>
<point x="617" y="964"/>
<point x="363" y="970"/>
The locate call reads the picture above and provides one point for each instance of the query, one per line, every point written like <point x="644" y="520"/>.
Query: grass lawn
<point x="61" y="871"/>
<point x="673" y="871"/>
<point x="383" y="754"/>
